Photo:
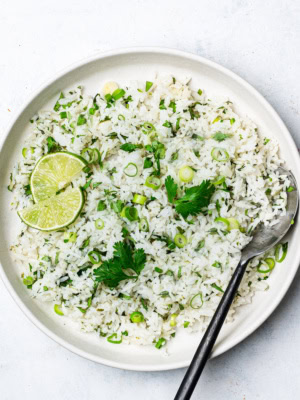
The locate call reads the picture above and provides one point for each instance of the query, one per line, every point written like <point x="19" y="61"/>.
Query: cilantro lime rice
<point x="174" y="185"/>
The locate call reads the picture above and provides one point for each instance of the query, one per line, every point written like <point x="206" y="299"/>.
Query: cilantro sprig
<point x="195" y="199"/>
<point x="111" y="272"/>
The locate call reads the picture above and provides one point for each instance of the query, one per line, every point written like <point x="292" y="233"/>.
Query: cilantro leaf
<point x="53" y="146"/>
<point x="111" y="271"/>
<point x="219" y="136"/>
<point x="139" y="260"/>
<point x="196" y="198"/>
<point x="130" y="147"/>
<point x="171" y="187"/>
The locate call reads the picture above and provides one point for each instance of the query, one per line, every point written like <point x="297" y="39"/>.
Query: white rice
<point x="250" y="171"/>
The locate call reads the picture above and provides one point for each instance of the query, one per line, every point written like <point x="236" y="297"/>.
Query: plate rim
<point x="185" y="55"/>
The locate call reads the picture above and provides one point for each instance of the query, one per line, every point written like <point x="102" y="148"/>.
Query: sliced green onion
<point x="219" y="180"/>
<point x="219" y="154"/>
<point x="112" y="339"/>
<point x="121" y="117"/>
<point x="224" y="220"/>
<point x="180" y="240"/>
<point x="144" y="225"/>
<point x="148" y="85"/>
<point x="195" y="299"/>
<point x="70" y="237"/>
<point x="290" y="189"/>
<point x="231" y="223"/>
<point x="57" y="309"/>
<point x="137" y="317"/>
<point x="88" y="154"/>
<point x="99" y="224"/>
<point x="28" y="281"/>
<point x="148" y="127"/>
<point x="139" y="199"/>
<point x="24" y="152"/>
<point x="131" y="213"/>
<point x="118" y="93"/>
<point x="131" y="170"/>
<point x="94" y="256"/>
<point x="153" y="182"/>
<point x="281" y="247"/>
<point x="160" y="343"/>
<point x="186" y="174"/>
<point x="217" y="119"/>
<point x="173" y="320"/>
<point x="270" y="263"/>
<point x="96" y="156"/>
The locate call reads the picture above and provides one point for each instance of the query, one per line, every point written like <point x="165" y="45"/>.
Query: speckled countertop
<point x="260" y="41"/>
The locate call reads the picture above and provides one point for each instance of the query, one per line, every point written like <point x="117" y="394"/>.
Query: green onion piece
<point x="149" y="127"/>
<point x="131" y="213"/>
<point x="186" y="174"/>
<point x="24" y="152"/>
<point x="81" y="120"/>
<point x="173" y="320"/>
<point x="96" y="156"/>
<point x="217" y="119"/>
<point x="160" y="343"/>
<point x="139" y="199"/>
<point x="112" y="339"/>
<point x="118" y="93"/>
<point x="144" y="225"/>
<point x="121" y="117"/>
<point x="290" y="189"/>
<point x="57" y="309"/>
<point x="219" y="180"/>
<point x="225" y="221"/>
<point x="101" y="205"/>
<point x="63" y="115"/>
<point x="153" y="182"/>
<point x="195" y="299"/>
<point x="231" y="223"/>
<point x="278" y="248"/>
<point x="219" y="154"/>
<point x="94" y="256"/>
<point x="88" y="154"/>
<point x="70" y="237"/>
<point x="180" y="240"/>
<point x="99" y="224"/>
<point x="28" y="281"/>
<point x="137" y="317"/>
<point x="270" y="263"/>
<point x="148" y="85"/>
<point x="131" y="170"/>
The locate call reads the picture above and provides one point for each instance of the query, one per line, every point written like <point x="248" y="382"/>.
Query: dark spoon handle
<point x="202" y="354"/>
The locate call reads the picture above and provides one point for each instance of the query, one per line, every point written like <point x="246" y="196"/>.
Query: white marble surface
<point x="259" y="40"/>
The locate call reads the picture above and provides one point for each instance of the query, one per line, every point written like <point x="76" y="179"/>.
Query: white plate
<point x="123" y="65"/>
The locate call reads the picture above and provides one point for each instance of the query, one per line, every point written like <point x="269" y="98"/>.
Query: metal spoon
<point x="265" y="237"/>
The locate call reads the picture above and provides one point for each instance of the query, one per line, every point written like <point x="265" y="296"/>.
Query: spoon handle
<point x="202" y="354"/>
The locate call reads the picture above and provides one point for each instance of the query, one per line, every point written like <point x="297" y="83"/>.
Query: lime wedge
<point x="54" y="172"/>
<point x="54" y="213"/>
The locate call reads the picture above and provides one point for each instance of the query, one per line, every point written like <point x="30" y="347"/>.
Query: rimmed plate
<point x="125" y="65"/>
